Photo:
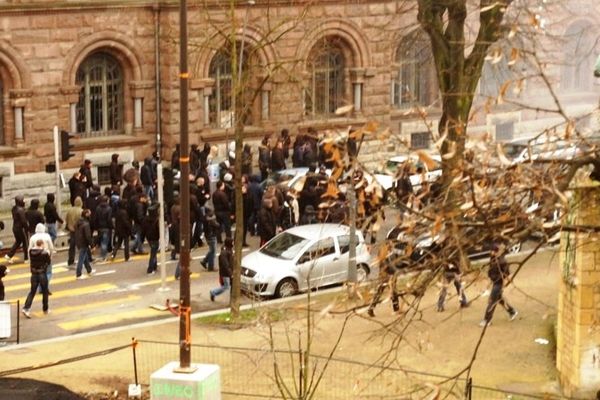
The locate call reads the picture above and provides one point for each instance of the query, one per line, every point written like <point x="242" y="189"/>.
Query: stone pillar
<point x="578" y="328"/>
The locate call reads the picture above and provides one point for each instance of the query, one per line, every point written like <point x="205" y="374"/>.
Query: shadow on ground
<point x="29" y="389"/>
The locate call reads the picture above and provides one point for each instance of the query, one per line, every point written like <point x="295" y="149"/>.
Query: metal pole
<point x="161" y="227"/>
<point x="185" y="340"/>
<point x="57" y="173"/>
<point x="135" y="371"/>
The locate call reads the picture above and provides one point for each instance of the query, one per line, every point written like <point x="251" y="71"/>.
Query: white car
<point x="302" y="258"/>
<point x="387" y="177"/>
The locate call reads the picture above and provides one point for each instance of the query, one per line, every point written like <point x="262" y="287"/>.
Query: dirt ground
<point x="509" y="358"/>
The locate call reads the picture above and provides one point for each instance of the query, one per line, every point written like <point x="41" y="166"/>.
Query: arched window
<point x="221" y="107"/>
<point x="415" y="80"/>
<point x="579" y="51"/>
<point x="99" y="111"/>
<point x="326" y="88"/>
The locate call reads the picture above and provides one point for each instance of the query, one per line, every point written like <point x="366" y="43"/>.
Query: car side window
<point x="344" y="242"/>
<point x="320" y="249"/>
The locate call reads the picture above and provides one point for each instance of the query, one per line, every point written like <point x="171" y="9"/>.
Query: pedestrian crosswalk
<point x="106" y="299"/>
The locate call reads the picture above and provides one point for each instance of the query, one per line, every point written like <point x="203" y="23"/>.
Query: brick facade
<point x="43" y="44"/>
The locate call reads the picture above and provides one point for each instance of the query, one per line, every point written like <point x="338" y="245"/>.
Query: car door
<point x="339" y="269"/>
<point x="315" y="261"/>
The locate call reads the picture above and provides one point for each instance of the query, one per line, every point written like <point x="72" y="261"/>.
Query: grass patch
<point x="246" y="317"/>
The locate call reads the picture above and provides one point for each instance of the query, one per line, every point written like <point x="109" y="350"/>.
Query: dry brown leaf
<point x="514" y="56"/>
<point x="426" y="159"/>
<point x="344" y="110"/>
<point x="385" y="134"/>
<point x="451" y="151"/>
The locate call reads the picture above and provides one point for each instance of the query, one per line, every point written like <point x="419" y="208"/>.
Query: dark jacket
<point x="50" y="212"/>
<point x="122" y="221"/>
<point x="76" y="189"/>
<point x="116" y="171"/>
<point x="221" y="201"/>
<point x="151" y="228"/>
<point x="264" y="158"/>
<point x="267" y="224"/>
<point x="19" y="219"/>
<point x="146" y="172"/>
<point x="103" y="217"/>
<point x="226" y="263"/>
<point x="277" y="159"/>
<point x="83" y="233"/>
<point x="211" y="226"/>
<point x="34" y="216"/>
<point x="39" y="259"/>
<point x="498" y="270"/>
<point x="87" y="172"/>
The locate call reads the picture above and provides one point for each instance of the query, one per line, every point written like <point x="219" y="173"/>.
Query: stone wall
<point x="578" y="330"/>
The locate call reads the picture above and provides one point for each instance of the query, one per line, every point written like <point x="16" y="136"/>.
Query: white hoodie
<point x="40" y="234"/>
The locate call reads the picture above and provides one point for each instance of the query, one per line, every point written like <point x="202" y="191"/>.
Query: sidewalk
<point x="441" y="343"/>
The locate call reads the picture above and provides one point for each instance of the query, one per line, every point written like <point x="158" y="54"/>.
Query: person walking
<point x="103" y="223"/>
<point x="122" y="230"/>
<point x="222" y="210"/>
<point x="51" y="216"/>
<point x="72" y="217"/>
<point x="211" y="230"/>
<point x="42" y="234"/>
<point x="150" y="226"/>
<point x="264" y="158"/>
<point x="83" y="241"/>
<point x="20" y="229"/>
<point x="39" y="259"/>
<point x="267" y="222"/>
<point x="451" y="275"/>
<point x="498" y="273"/>
<point x="225" y="269"/>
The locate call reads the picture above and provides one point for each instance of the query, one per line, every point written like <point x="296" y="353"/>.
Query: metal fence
<point x="251" y="374"/>
<point x="10" y="321"/>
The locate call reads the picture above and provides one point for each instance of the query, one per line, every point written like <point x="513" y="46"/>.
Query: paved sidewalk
<point x="441" y="343"/>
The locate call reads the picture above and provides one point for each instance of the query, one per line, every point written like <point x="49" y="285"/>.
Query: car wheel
<point x="362" y="273"/>
<point x="286" y="288"/>
<point x="514" y="248"/>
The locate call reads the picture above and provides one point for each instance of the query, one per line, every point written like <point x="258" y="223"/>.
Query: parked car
<point x="302" y="258"/>
<point x="387" y="177"/>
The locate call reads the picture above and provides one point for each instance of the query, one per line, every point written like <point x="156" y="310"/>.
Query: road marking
<point x="80" y="307"/>
<point x="158" y="281"/>
<point x="14" y="277"/>
<point x="55" y="281"/>
<point x="110" y="271"/>
<point x="109" y="319"/>
<point x="103" y="287"/>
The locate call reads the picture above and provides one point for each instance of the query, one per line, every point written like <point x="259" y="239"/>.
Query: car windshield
<point x="285" y="245"/>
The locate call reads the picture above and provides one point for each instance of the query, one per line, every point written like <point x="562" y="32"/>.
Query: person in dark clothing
<point x="122" y="230"/>
<point x="194" y="157"/>
<point x="3" y="272"/>
<point x="388" y="275"/>
<point x="248" y="208"/>
<point x="267" y="222"/>
<point x="39" y="260"/>
<point x="287" y="142"/>
<point x="51" y="216"/>
<point x="256" y="192"/>
<point x="84" y="243"/>
<point x="20" y="229"/>
<point x="146" y="178"/>
<point x="211" y="230"/>
<point x="137" y="211"/>
<point x="103" y="223"/>
<point x="451" y="275"/>
<point x="150" y="225"/>
<point x="222" y="210"/>
<point x="247" y="160"/>
<point x="403" y="186"/>
<point x="264" y="158"/>
<point x="76" y="187"/>
<point x="86" y="171"/>
<point x="175" y="219"/>
<point x="204" y="156"/>
<point x="277" y="157"/>
<point x="225" y="269"/>
<point x="175" y="157"/>
<point x="498" y="273"/>
<point x="116" y="170"/>
<point x="309" y="216"/>
<point x="34" y="216"/>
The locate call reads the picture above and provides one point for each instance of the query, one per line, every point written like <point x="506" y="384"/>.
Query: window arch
<point x="221" y="107"/>
<point x="99" y="111"/>
<point x="326" y="89"/>
<point x="414" y="80"/>
<point x="579" y="48"/>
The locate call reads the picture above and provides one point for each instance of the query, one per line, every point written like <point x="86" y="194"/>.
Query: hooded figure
<point x="146" y="177"/>
<point x="51" y="216"/>
<point x="42" y="236"/>
<point x="20" y="229"/>
<point x="34" y="215"/>
<point x="116" y="170"/>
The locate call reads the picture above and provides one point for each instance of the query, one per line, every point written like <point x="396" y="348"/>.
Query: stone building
<point x="96" y="68"/>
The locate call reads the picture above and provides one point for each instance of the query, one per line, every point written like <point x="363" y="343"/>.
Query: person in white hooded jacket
<point x="41" y="233"/>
